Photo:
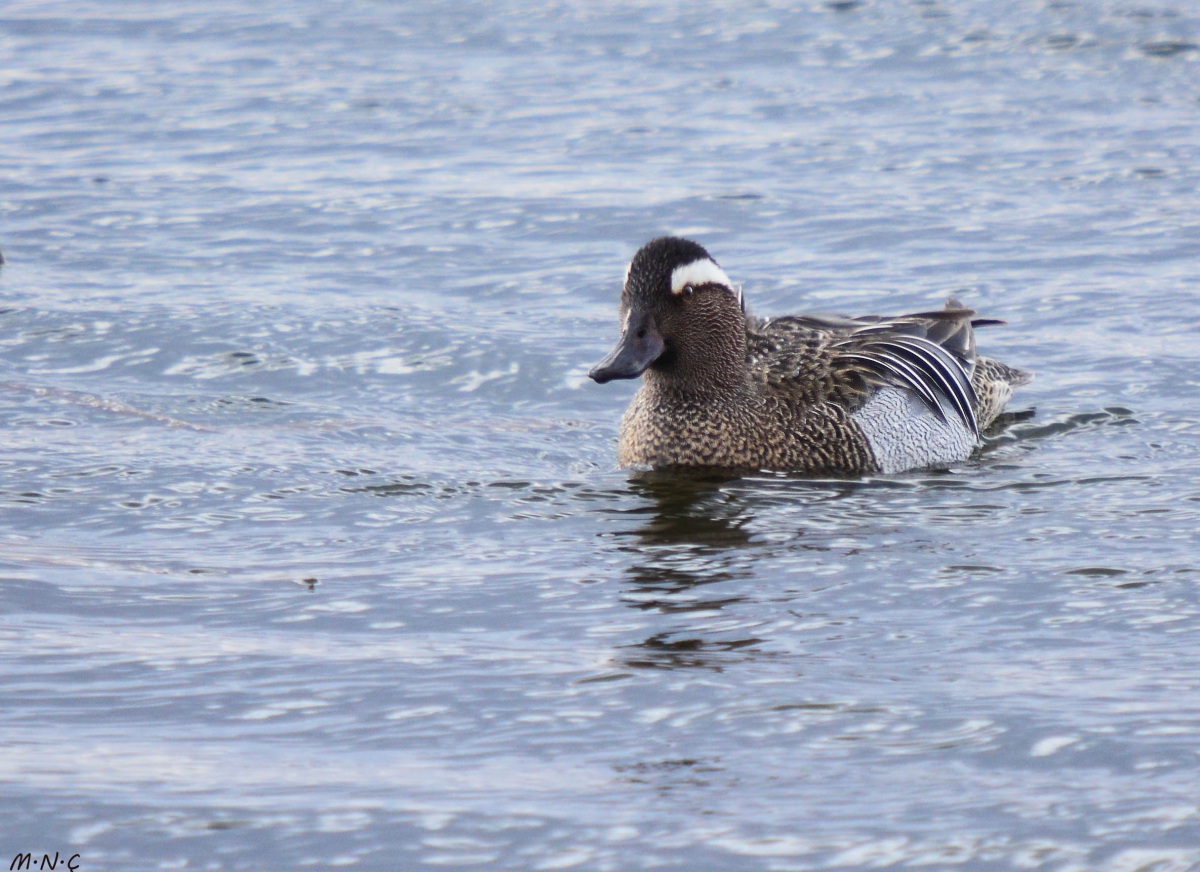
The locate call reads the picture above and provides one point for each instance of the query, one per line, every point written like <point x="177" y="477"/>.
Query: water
<point x="313" y="548"/>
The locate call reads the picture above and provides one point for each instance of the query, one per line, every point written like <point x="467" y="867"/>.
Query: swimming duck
<point x="800" y="393"/>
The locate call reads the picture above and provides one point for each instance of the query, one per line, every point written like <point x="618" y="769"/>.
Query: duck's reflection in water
<point x="690" y="545"/>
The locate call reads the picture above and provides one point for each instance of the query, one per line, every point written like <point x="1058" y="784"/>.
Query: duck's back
<point x="912" y="385"/>
<point x="831" y="358"/>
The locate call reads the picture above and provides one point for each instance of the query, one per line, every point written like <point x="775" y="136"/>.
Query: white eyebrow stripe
<point x="699" y="272"/>
<point x="703" y="272"/>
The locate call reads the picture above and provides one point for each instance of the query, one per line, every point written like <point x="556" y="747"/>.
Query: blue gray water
<point x="313" y="550"/>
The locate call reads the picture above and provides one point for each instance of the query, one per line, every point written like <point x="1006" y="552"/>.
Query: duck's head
<point x="681" y="317"/>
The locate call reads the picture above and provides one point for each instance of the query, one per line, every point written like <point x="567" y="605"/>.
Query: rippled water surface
<point x="314" y="552"/>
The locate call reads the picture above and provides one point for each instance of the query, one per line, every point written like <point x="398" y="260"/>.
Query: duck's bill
<point x="640" y="346"/>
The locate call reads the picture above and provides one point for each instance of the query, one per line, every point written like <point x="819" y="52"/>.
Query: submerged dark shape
<point x="799" y="393"/>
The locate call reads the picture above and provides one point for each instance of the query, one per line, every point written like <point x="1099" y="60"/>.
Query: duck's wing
<point x="844" y="360"/>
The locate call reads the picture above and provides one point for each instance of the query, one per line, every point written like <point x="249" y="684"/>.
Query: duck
<point x="814" y="394"/>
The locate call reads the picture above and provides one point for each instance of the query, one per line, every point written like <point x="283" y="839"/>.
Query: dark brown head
<point x="681" y="319"/>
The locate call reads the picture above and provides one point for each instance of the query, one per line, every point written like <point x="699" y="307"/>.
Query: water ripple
<point x="314" y="543"/>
